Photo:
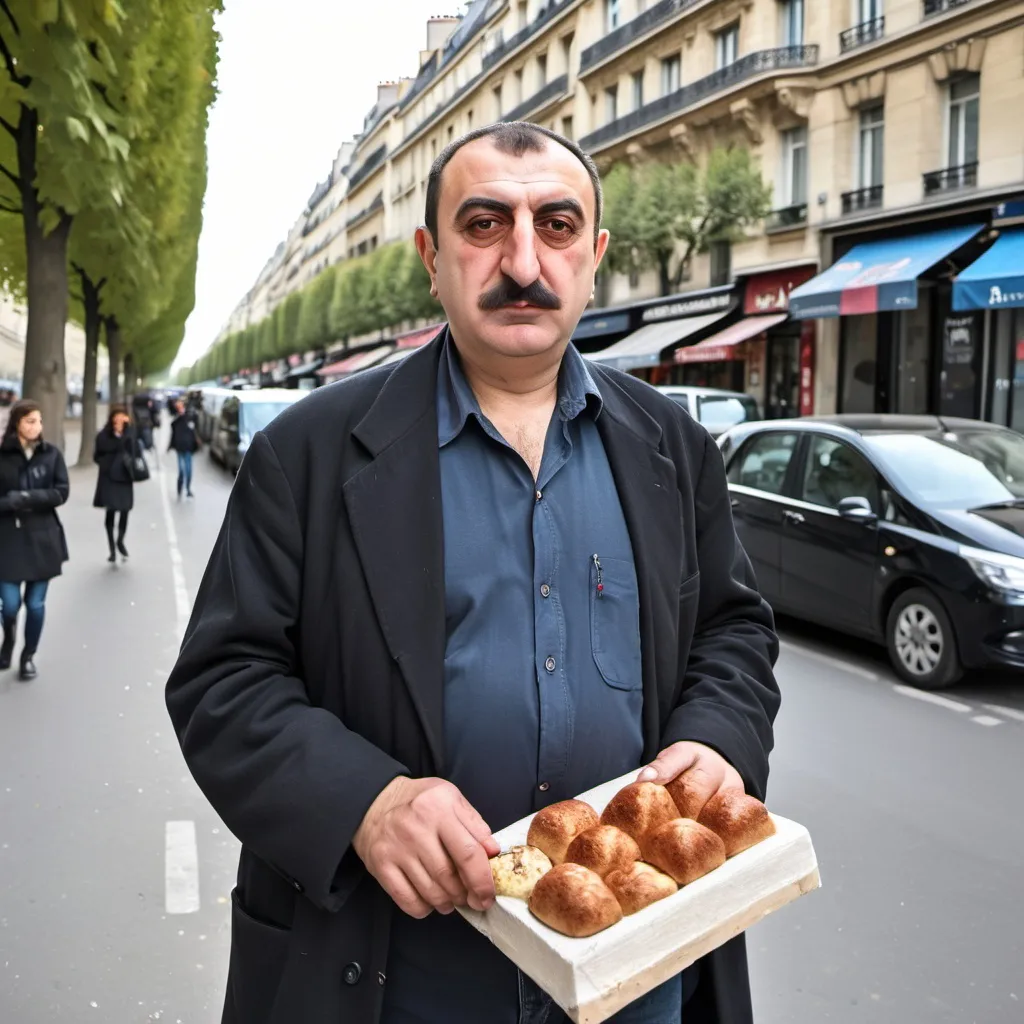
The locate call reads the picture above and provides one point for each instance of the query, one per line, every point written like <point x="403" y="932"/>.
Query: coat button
<point x="381" y="978"/>
<point x="352" y="974"/>
<point x="550" y="664"/>
<point x="544" y="787"/>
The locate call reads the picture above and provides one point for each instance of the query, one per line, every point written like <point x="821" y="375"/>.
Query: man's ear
<point x="428" y="254"/>
<point x="601" y="248"/>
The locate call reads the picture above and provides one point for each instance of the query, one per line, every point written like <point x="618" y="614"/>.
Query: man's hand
<point x="707" y="772"/>
<point x="427" y="847"/>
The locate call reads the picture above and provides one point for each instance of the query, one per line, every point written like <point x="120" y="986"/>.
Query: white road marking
<point x="1014" y="713"/>
<point x="181" y="868"/>
<point x="826" y="659"/>
<point x="182" y="604"/>
<point x="987" y="720"/>
<point x="932" y="698"/>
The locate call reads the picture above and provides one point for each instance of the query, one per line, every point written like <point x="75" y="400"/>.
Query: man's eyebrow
<point x="561" y="206"/>
<point x="483" y="203"/>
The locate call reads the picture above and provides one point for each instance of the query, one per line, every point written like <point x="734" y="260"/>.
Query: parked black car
<point x="904" y="530"/>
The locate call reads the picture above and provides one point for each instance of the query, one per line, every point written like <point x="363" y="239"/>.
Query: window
<point x="794" y="167"/>
<point x="792" y="12"/>
<point x="721" y="263"/>
<point x="612" y="14"/>
<point x="869" y="10"/>
<point x="567" y="51"/>
<point x="522" y="13"/>
<point x="567" y="127"/>
<point x="727" y="45"/>
<point x="963" y="120"/>
<point x="835" y="471"/>
<point x="611" y="103"/>
<point x="518" y="97"/>
<point x="638" y="89"/>
<point x="497" y="101"/>
<point x="870" y="159"/>
<point x="469" y="119"/>
<point x="542" y="71"/>
<point x="762" y="464"/>
<point x="451" y="132"/>
<point x="670" y="69"/>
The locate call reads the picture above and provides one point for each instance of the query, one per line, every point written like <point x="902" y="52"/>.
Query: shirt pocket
<point x="615" y="622"/>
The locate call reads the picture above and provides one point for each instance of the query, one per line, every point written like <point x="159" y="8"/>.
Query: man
<point x="399" y="644"/>
<point x="184" y="441"/>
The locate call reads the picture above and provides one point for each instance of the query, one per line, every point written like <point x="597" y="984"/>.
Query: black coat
<point x="312" y="672"/>
<point x="32" y="542"/>
<point x="184" y="437"/>
<point x="114" y="487"/>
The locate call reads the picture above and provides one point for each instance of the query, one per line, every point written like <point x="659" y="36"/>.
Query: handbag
<point x="136" y="465"/>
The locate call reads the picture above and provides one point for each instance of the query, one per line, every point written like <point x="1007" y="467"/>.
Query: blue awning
<point x="601" y="324"/>
<point x="995" y="280"/>
<point x="876" y="276"/>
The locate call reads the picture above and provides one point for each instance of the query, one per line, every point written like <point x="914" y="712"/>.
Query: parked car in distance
<point x="906" y="530"/>
<point x="242" y="414"/>
<point x="212" y="399"/>
<point x="714" y="409"/>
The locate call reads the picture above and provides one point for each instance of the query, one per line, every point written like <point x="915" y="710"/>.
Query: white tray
<point x="594" y="978"/>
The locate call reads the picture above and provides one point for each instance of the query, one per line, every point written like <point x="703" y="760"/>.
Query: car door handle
<point x="794" y="517"/>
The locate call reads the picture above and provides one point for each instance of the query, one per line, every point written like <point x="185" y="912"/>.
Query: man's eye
<point x="484" y="225"/>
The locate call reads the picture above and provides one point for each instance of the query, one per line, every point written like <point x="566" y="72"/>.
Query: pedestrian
<point x="449" y="592"/>
<point x="116" y="446"/>
<point x="184" y="441"/>
<point x="142" y="408"/>
<point x="33" y="549"/>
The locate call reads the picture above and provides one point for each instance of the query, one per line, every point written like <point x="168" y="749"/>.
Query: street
<point x="111" y="912"/>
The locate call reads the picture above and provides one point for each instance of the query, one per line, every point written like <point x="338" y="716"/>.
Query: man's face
<point x="515" y="258"/>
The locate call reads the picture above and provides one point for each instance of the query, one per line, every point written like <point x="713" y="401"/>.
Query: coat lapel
<point x="647" y="488"/>
<point x="394" y="506"/>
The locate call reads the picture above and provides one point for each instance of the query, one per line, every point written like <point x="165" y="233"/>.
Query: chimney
<point x="387" y="95"/>
<point x="438" y="31"/>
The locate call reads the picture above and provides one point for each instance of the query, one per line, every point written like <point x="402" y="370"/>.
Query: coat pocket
<point x="259" y="954"/>
<point x="615" y="622"/>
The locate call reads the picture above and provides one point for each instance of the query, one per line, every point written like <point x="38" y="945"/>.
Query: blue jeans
<point x="185" y="472"/>
<point x="35" y="608"/>
<point x="662" y="1006"/>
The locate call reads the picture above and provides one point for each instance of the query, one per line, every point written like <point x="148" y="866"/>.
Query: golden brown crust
<point x="639" y="886"/>
<point x="640" y="808"/>
<point x="516" y="873"/>
<point x="684" y="849"/>
<point x="687" y="796"/>
<point x="603" y="849"/>
<point x="573" y="900"/>
<point x="741" y="821"/>
<point x="556" y="826"/>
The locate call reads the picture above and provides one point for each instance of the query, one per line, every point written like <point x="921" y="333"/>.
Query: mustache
<point x="507" y="291"/>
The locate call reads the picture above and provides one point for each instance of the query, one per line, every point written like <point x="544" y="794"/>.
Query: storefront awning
<point x="416" y="339"/>
<point x="995" y="280"/>
<point x="877" y="276"/>
<point x="305" y="370"/>
<point x="644" y="346"/>
<point x="599" y="324"/>
<point x="724" y="346"/>
<point x="352" y="364"/>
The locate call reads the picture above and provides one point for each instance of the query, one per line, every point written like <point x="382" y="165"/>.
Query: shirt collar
<point x="456" y="402"/>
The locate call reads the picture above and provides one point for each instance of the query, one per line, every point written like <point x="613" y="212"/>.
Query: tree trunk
<point x="46" y="279"/>
<point x="114" y="355"/>
<point x="129" y="377"/>
<point x="664" y="279"/>
<point x="91" y="301"/>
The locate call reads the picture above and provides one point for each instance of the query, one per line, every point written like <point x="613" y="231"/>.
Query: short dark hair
<point x="515" y="138"/>
<point x="18" y="412"/>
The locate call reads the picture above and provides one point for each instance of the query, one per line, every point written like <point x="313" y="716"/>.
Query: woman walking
<point x="116" y="446"/>
<point x="33" y="483"/>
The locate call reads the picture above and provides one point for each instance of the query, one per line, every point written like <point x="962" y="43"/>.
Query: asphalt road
<point x="108" y="913"/>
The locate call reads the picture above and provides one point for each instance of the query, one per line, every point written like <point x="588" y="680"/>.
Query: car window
<point x="258" y="415"/>
<point x="720" y="412"/>
<point x="682" y="400"/>
<point x="229" y="414"/>
<point x="835" y="471"/>
<point x="763" y="461"/>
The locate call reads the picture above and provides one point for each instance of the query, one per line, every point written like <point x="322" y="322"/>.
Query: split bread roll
<point x="574" y="900"/>
<point x="639" y="886"/>
<point x="555" y="827"/>
<point x="640" y="808"/>
<point x="740" y="821"/>
<point x="603" y="849"/>
<point x="516" y="873"/>
<point x="686" y="796"/>
<point x="684" y="850"/>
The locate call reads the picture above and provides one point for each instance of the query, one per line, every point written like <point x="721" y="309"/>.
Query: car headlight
<point x="1004" y="573"/>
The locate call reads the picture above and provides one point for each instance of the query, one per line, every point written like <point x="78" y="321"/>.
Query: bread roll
<point x="687" y="797"/>
<point x="574" y="901"/>
<point x="603" y="849"/>
<point x="516" y="873"/>
<point x="684" y="850"/>
<point x="741" y="821"/>
<point x="555" y="827"/>
<point x="639" y="886"/>
<point x="640" y="808"/>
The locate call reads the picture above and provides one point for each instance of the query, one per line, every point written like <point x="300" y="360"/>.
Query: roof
<point x="693" y="389"/>
<point x="873" y="423"/>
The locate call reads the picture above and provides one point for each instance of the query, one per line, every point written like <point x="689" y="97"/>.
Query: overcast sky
<point x="293" y="86"/>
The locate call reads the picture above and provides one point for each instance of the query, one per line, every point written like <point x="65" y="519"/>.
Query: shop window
<point x="860" y="363"/>
<point x="727" y="46"/>
<point x="671" y="68"/>
<point x="871" y="156"/>
<point x="913" y="373"/>
<point x="721" y="263"/>
<point x="764" y="462"/>
<point x="963" y="120"/>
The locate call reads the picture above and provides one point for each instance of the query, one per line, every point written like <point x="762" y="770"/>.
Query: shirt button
<point x="550" y="664"/>
<point x="545" y="590"/>
<point x="538" y="495"/>
<point x="544" y="787"/>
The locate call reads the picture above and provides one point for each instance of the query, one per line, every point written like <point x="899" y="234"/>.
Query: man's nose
<point x="519" y="259"/>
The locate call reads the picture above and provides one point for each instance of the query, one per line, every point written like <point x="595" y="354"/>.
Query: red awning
<point x="723" y="346"/>
<point x="416" y="339"/>
<point x="360" y="361"/>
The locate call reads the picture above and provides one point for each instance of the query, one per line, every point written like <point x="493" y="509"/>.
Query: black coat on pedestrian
<point x="184" y="435"/>
<point x="312" y="672"/>
<point x="32" y="542"/>
<point x="114" y="487"/>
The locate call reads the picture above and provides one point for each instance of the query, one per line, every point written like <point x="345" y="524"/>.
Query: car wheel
<point x="921" y="643"/>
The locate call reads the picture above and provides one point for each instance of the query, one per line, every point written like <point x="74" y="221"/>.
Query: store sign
<point x="696" y="306"/>
<point x="958" y="334"/>
<point x="807" y="334"/>
<point x="959" y="381"/>
<point x="769" y="293"/>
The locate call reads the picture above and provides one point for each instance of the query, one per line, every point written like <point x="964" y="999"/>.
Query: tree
<point x="659" y="215"/>
<point x="314" y="327"/>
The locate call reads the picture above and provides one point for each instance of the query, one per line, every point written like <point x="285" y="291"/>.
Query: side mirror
<point x="857" y="510"/>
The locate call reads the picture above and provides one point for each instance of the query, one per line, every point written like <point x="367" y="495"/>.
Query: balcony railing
<point x="862" y="34"/>
<point x="621" y="37"/>
<point x="932" y="7"/>
<point x="750" y="66"/>
<point x="367" y="167"/>
<point x="787" y="217"/>
<point x="951" y="178"/>
<point x="555" y="88"/>
<point x="553" y="9"/>
<point x="869" y="198"/>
